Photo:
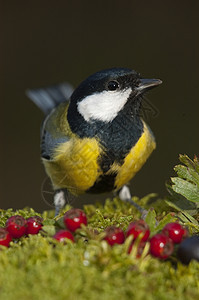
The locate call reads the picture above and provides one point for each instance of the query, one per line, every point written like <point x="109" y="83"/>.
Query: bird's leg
<point x="59" y="201"/>
<point x="125" y="195"/>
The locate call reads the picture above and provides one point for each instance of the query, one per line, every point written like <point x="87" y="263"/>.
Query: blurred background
<point x="47" y="42"/>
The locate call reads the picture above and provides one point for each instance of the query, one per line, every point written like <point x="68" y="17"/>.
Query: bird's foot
<point x="59" y="201"/>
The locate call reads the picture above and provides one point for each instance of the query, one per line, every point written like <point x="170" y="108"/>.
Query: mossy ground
<point x="38" y="267"/>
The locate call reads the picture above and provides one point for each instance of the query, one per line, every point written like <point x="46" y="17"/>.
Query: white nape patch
<point x="103" y="106"/>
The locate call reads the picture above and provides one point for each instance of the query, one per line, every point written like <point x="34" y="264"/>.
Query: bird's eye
<point x="112" y="85"/>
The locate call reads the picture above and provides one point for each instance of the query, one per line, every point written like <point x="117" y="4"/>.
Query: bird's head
<point x="103" y="95"/>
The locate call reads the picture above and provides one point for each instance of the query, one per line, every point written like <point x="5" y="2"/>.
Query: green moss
<point x="38" y="267"/>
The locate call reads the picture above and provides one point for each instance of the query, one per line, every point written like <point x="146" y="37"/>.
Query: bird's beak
<point x="147" y="84"/>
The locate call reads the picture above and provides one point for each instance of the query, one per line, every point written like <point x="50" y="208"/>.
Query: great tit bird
<point x="93" y="139"/>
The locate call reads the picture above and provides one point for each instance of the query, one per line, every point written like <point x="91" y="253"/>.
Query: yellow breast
<point x="136" y="158"/>
<point x="74" y="165"/>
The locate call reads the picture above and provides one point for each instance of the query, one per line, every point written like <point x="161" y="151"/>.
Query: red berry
<point x="114" y="235"/>
<point x="138" y="227"/>
<point x="74" y="218"/>
<point x="161" y="246"/>
<point x="5" y="237"/>
<point x="62" y="236"/>
<point x="175" y="231"/>
<point x="16" y="226"/>
<point x="34" y="225"/>
<point x="140" y="248"/>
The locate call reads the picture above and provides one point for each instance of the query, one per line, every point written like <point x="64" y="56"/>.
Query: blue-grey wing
<point x="53" y="101"/>
<point x="49" y="143"/>
<point x="49" y="97"/>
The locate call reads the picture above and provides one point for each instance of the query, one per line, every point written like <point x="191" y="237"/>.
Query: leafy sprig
<point x="184" y="191"/>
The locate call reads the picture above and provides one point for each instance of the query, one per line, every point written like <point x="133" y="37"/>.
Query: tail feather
<point x="48" y="98"/>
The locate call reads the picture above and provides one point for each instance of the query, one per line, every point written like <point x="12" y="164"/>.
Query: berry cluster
<point x="16" y="227"/>
<point x="161" y="244"/>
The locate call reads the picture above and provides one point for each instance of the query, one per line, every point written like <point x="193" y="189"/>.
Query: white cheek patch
<point x="103" y="106"/>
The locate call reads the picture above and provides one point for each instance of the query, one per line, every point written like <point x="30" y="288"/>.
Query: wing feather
<point x="49" y="97"/>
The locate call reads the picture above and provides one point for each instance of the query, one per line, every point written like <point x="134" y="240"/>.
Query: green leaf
<point x="188" y="174"/>
<point x="49" y="222"/>
<point x="60" y="223"/>
<point x="49" y="230"/>
<point x="179" y="202"/>
<point x="185" y="188"/>
<point x="191" y="164"/>
<point x="154" y="225"/>
<point x="185" y="217"/>
<point x="151" y="219"/>
<point x="187" y="161"/>
<point x="196" y="162"/>
<point x="182" y="205"/>
<point x="167" y="219"/>
<point x="195" y="176"/>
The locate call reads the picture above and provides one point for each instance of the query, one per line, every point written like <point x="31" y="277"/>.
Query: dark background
<point x="47" y="42"/>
